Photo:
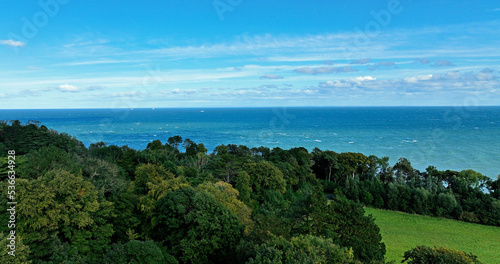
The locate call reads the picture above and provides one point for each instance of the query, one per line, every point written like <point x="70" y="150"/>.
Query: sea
<point x="454" y="138"/>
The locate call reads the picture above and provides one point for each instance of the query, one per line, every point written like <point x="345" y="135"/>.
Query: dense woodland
<point x="176" y="202"/>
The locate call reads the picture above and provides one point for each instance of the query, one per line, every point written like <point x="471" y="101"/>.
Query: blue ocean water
<point x="447" y="137"/>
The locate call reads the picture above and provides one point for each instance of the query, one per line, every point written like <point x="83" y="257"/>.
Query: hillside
<point x="401" y="231"/>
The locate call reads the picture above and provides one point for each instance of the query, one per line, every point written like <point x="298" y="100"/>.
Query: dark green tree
<point x="175" y="141"/>
<point x="195" y="228"/>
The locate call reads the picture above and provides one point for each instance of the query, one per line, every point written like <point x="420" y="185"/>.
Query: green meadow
<point x="402" y="231"/>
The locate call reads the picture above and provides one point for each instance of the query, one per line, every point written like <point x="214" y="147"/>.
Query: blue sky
<point x="235" y="53"/>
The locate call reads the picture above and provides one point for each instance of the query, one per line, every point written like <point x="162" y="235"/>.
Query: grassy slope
<point x="401" y="232"/>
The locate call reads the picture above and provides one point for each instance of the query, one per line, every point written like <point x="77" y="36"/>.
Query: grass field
<point x="401" y="232"/>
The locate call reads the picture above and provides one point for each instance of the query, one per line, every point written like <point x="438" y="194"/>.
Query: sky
<point x="242" y="53"/>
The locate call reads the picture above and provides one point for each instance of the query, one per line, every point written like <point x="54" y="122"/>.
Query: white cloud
<point x="454" y="82"/>
<point x="68" y="88"/>
<point x="12" y="43"/>
<point x="271" y="77"/>
<point x="423" y="61"/>
<point x="33" y="68"/>
<point x="443" y="63"/>
<point x="98" y="62"/>
<point x="386" y="63"/>
<point x="363" y="78"/>
<point x="361" y="61"/>
<point x="323" y="70"/>
<point x="418" y="78"/>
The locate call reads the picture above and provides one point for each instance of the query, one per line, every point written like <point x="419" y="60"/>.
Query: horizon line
<point x="243" y="107"/>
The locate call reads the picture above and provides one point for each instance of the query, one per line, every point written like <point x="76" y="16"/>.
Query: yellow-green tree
<point x="225" y="194"/>
<point x="21" y="252"/>
<point x="64" y="205"/>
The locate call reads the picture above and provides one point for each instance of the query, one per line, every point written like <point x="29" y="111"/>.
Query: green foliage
<point x="149" y="173"/>
<point x="271" y="217"/>
<point x="344" y="221"/>
<point x="438" y="255"/>
<point x="136" y="251"/>
<point x="31" y="136"/>
<point x="20" y="254"/>
<point x="226" y="195"/>
<point x="143" y="252"/>
<point x="243" y="186"/>
<point x="403" y="168"/>
<point x="46" y="159"/>
<point x="76" y="202"/>
<point x="155" y="145"/>
<point x="65" y="205"/>
<point x="402" y="231"/>
<point x="127" y="219"/>
<point x="301" y="250"/>
<point x="65" y="253"/>
<point x="264" y="176"/>
<point x="294" y="163"/>
<point x="472" y="178"/>
<point x="104" y="175"/>
<point x="226" y="164"/>
<point x="111" y="154"/>
<point x="175" y="141"/>
<point x="325" y="164"/>
<point x="195" y="228"/>
<point x="128" y="160"/>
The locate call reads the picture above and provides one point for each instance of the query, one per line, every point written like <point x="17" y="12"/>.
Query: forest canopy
<point x="173" y="204"/>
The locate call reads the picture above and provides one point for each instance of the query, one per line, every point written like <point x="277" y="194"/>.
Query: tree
<point x="190" y="147"/>
<point x="155" y="145"/>
<point x="195" y="228"/>
<point x="445" y="204"/>
<point x="175" y="141"/>
<point x="46" y="159"/>
<point x="105" y="176"/>
<point x="438" y="255"/>
<point x="404" y="169"/>
<point x="325" y="163"/>
<point x="243" y="185"/>
<point x="344" y="221"/>
<point x="21" y="254"/>
<point x="264" y="176"/>
<point x="101" y="151"/>
<point x="136" y="251"/>
<point x="306" y="249"/>
<point x="128" y="160"/>
<point x="225" y="194"/>
<point x="473" y="178"/>
<point x="145" y="173"/>
<point x="67" y="206"/>
<point x="351" y="164"/>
